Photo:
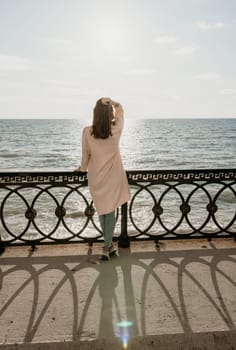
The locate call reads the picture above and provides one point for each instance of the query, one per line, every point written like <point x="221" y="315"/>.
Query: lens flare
<point x="125" y="344"/>
<point x="124" y="326"/>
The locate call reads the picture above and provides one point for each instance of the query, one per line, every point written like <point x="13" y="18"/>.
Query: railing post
<point x="2" y="247"/>
<point x="124" y="239"/>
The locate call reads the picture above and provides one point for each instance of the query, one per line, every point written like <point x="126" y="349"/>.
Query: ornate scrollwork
<point x="44" y="178"/>
<point x="157" y="210"/>
<point x="164" y="204"/>
<point x="185" y="208"/>
<point x="60" y="212"/>
<point x="212" y="208"/>
<point x="30" y="213"/>
<point x="181" y="175"/>
<point x="89" y="211"/>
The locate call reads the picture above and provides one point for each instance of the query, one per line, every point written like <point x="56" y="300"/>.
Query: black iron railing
<point x="56" y="207"/>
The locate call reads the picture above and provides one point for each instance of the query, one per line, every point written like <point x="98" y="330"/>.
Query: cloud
<point x="59" y="43"/>
<point x="187" y="50"/>
<point x="228" y="92"/>
<point x="171" y="40"/>
<point x="126" y="58"/>
<point x="141" y="71"/>
<point x="63" y="87"/>
<point x="165" y="40"/>
<point x="171" y="93"/>
<point x="210" y="25"/>
<point x="207" y="76"/>
<point x="63" y="48"/>
<point x="14" y="63"/>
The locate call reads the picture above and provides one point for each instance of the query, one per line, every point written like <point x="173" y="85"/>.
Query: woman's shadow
<point x="117" y="313"/>
<point x="107" y="283"/>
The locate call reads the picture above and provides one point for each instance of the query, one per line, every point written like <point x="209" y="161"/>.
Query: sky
<point x="159" y="58"/>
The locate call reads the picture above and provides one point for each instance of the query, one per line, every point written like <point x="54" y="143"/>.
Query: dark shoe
<point x="105" y="254"/>
<point x="112" y="251"/>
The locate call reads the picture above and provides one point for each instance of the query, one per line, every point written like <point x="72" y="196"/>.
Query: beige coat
<point x="107" y="179"/>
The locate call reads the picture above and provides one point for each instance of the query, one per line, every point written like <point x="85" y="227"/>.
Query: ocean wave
<point x="75" y="215"/>
<point x="227" y="197"/>
<point x="7" y="154"/>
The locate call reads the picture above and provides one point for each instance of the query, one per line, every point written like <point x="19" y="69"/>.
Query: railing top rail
<point x="62" y="177"/>
<point x="181" y="175"/>
<point x="42" y="177"/>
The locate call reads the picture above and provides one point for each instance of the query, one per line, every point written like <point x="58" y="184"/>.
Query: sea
<point x="52" y="144"/>
<point x="146" y="144"/>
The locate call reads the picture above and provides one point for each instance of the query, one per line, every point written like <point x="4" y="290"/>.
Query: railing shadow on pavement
<point x="136" y="293"/>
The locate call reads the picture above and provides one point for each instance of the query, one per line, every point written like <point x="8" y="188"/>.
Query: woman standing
<point x="107" y="179"/>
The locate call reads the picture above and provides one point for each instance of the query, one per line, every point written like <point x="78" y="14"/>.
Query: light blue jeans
<point x="108" y="222"/>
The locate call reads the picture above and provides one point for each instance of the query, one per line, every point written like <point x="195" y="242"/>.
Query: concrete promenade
<point x="180" y="295"/>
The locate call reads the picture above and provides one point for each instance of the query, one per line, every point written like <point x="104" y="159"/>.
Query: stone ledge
<point x="195" y="341"/>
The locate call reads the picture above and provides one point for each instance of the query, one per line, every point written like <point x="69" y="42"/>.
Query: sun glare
<point x="109" y="36"/>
